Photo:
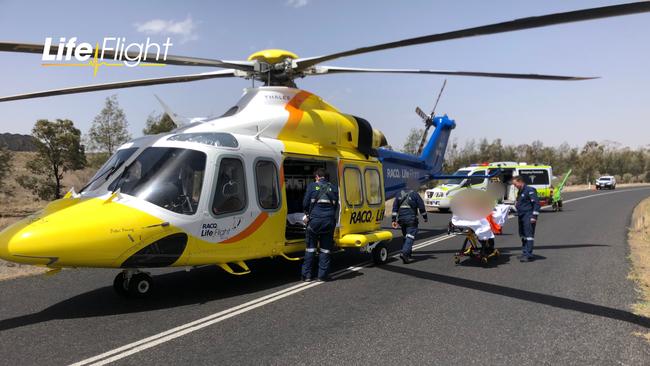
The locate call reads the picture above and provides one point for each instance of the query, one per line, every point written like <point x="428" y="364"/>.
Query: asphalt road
<point x="570" y="306"/>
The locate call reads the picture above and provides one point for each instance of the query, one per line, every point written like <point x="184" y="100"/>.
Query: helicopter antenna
<point x="260" y="132"/>
<point x="428" y="119"/>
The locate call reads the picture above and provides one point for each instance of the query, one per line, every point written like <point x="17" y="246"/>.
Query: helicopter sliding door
<point x="362" y="197"/>
<point x="298" y="173"/>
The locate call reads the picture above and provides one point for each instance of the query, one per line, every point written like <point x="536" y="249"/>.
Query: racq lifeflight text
<point x="131" y="54"/>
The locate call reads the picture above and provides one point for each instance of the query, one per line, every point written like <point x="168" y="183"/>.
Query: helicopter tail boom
<point x="402" y="170"/>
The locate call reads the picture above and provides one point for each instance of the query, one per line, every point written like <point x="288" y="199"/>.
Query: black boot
<point x="406" y="259"/>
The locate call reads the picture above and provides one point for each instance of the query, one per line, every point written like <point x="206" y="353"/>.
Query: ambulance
<point x="535" y="175"/>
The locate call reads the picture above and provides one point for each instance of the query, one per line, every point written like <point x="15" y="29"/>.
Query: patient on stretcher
<point x="470" y="211"/>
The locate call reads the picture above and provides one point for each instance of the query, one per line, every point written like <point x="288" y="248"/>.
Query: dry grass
<point x="639" y="239"/>
<point x="20" y="202"/>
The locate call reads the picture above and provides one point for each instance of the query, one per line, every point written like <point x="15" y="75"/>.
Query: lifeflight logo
<point x="113" y="48"/>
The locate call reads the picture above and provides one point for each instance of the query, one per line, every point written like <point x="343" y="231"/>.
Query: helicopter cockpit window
<point x="218" y="139"/>
<point x="230" y="195"/>
<point x="171" y="178"/>
<point x="109" y="167"/>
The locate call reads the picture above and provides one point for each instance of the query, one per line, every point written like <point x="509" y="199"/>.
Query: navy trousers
<point x="527" y="234"/>
<point x="409" y="231"/>
<point x="319" y="231"/>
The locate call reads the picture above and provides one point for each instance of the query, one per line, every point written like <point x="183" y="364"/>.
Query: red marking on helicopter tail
<point x="295" y="113"/>
<point x="259" y="220"/>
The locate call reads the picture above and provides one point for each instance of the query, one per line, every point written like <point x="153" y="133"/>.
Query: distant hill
<point x="16" y="142"/>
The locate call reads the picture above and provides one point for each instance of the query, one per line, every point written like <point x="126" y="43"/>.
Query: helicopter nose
<point x="92" y="232"/>
<point x="16" y="245"/>
<point x="15" y="240"/>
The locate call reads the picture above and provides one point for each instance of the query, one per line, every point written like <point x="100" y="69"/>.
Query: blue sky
<point x="615" y="107"/>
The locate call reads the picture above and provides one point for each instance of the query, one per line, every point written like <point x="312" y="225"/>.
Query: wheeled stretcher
<point x="478" y="242"/>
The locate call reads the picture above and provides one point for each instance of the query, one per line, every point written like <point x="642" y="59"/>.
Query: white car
<point x="606" y="182"/>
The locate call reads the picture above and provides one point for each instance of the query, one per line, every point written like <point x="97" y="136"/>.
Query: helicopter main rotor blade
<point x="508" y="26"/>
<point x="123" y="84"/>
<point x="150" y="57"/>
<point x="321" y="70"/>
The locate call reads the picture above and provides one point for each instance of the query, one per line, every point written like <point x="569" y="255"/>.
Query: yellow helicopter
<point x="227" y="190"/>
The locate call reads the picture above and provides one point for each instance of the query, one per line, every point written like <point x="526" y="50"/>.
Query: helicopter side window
<point x="353" y="191"/>
<point x="268" y="193"/>
<point x="171" y="178"/>
<point x="373" y="186"/>
<point x="230" y="195"/>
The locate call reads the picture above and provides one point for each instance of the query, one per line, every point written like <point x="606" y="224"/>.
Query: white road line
<point x="207" y="318"/>
<point x="157" y="339"/>
<point x="138" y="346"/>
<point x="187" y="330"/>
<point x="605" y="194"/>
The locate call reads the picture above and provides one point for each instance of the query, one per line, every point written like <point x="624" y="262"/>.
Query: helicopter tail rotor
<point x="428" y="119"/>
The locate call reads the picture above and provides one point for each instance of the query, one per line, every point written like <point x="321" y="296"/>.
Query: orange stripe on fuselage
<point x="295" y="113"/>
<point x="282" y="177"/>
<point x="259" y="220"/>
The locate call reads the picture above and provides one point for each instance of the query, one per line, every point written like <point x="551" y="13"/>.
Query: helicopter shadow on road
<point x="506" y="253"/>
<point x="198" y="286"/>
<point x="503" y="258"/>
<point x="173" y="289"/>
<point x="540" y="298"/>
<point x="509" y="250"/>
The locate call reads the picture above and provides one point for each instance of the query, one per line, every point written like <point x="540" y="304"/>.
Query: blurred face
<point x="413" y="184"/>
<point x="518" y="184"/>
<point x="472" y="204"/>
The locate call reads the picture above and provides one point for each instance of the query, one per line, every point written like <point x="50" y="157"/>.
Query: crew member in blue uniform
<point x="321" y="207"/>
<point x="527" y="207"/>
<point x="406" y="205"/>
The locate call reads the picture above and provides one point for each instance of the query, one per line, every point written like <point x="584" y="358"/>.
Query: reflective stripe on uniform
<point x="410" y="236"/>
<point x="313" y="200"/>
<point x="394" y="214"/>
<point x="535" y="213"/>
<point x="324" y="201"/>
<point x="310" y="250"/>
<point x="326" y="251"/>
<point x="529" y="238"/>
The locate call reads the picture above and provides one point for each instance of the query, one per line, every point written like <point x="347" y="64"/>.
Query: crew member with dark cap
<point x="405" y="215"/>
<point x="321" y="206"/>
<point x="527" y="207"/>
